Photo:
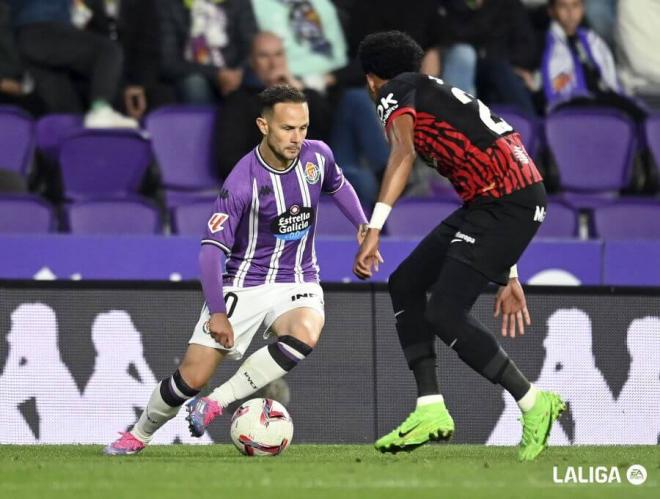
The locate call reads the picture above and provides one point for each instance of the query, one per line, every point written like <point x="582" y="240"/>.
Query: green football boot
<point x="537" y="423"/>
<point x="425" y="423"/>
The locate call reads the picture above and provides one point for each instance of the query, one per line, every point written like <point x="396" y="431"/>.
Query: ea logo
<point x="636" y="474"/>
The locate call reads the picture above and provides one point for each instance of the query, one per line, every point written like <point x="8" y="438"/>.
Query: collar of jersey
<point x="294" y="162"/>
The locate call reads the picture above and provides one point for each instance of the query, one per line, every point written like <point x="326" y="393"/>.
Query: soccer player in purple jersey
<point x="262" y="232"/>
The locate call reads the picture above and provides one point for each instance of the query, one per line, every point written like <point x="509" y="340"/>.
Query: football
<point x="261" y="427"/>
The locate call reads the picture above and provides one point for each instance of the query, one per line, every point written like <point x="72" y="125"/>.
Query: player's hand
<point x="368" y="255"/>
<point x="511" y="303"/>
<point x="361" y="234"/>
<point x="220" y="329"/>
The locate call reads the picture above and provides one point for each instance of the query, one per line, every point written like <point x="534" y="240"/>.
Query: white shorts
<point x="250" y="308"/>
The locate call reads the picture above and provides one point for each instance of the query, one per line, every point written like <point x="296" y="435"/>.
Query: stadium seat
<point x="417" y="217"/>
<point x="560" y="221"/>
<point x="16" y="140"/>
<point x="113" y="216"/>
<point x="330" y="221"/>
<point x="182" y="140"/>
<point x="628" y="219"/>
<point x="52" y="129"/>
<point x="103" y="163"/>
<point x="25" y="214"/>
<point x="190" y="219"/>
<point x="594" y="151"/>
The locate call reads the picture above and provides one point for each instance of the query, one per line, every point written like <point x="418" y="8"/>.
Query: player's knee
<point x="306" y="331"/>
<point x="402" y="287"/>
<point x="444" y="318"/>
<point x="194" y="378"/>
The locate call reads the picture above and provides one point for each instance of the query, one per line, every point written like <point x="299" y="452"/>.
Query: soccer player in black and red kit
<point x="504" y="204"/>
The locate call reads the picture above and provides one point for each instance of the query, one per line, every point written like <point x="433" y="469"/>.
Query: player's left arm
<point x="511" y="303"/>
<point x="400" y="133"/>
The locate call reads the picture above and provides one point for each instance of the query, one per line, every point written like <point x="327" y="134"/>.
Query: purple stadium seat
<point x="103" y="163"/>
<point x="628" y="219"/>
<point x="652" y="133"/>
<point x="594" y="150"/>
<point x="182" y="140"/>
<point x="113" y="216"/>
<point x="16" y="140"/>
<point x="190" y="219"/>
<point x="560" y="221"/>
<point x="52" y="129"/>
<point x="330" y="221"/>
<point x="24" y="214"/>
<point x="417" y="217"/>
<point x="526" y="126"/>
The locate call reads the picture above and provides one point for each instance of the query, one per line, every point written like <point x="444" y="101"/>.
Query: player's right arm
<point x="216" y="246"/>
<point x="400" y="132"/>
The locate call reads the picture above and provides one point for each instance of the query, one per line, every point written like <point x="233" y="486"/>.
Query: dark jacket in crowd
<point x="137" y="31"/>
<point x="175" y="22"/>
<point x="500" y="30"/>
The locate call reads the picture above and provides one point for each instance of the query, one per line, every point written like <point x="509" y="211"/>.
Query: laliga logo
<point x="636" y="474"/>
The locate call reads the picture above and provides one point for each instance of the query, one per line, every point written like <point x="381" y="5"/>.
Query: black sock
<point x="514" y="382"/>
<point x="425" y="376"/>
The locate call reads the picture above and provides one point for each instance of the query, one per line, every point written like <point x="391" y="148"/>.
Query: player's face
<point x="569" y="14"/>
<point x="286" y="128"/>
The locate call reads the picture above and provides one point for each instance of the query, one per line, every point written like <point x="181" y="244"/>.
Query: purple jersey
<point x="264" y="219"/>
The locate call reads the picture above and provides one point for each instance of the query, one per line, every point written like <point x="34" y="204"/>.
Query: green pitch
<point x="314" y="471"/>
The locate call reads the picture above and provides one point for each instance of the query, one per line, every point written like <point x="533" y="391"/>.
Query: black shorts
<point x="490" y="234"/>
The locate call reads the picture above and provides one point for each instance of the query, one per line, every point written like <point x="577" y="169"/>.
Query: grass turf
<point x="314" y="471"/>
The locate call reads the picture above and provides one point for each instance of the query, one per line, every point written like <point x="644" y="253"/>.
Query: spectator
<point x="312" y="34"/>
<point x="16" y="85"/>
<point x="205" y="44"/>
<point x="237" y="130"/>
<point x="134" y="25"/>
<point x="638" y="27"/>
<point x="358" y="139"/>
<point x="578" y="67"/>
<point x="57" y="52"/>
<point x="498" y="37"/>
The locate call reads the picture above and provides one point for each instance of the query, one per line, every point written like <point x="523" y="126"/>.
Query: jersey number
<point x="499" y="127"/>
<point x="231" y="306"/>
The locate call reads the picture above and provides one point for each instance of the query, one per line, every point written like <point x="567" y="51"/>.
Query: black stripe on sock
<point x="296" y="344"/>
<point x="183" y="386"/>
<point x="168" y="395"/>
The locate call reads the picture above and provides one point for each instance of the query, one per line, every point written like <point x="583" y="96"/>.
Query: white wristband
<point x="513" y="273"/>
<point x="379" y="216"/>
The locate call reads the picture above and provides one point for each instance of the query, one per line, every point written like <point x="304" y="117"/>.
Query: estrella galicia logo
<point x="293" y="224"/>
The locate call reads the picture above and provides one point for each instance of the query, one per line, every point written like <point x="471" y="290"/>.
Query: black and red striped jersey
<point x="459" y="136"/>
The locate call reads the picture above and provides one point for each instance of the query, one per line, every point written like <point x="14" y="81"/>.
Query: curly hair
<point x="389" y="53"/>
<point x="279" y="93"/>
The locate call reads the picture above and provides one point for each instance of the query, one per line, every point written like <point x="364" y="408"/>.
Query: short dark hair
<point x="279" y="93"/>
<point x="390" y="53"/>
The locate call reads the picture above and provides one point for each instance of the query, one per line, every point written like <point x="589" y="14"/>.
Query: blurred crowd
<point x="116" y="60"/>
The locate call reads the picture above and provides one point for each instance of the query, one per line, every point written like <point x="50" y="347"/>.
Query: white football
<point x="261" y="427"/>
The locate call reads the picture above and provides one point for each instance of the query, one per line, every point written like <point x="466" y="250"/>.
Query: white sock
<point x="257" y="371"/>
<point x="429" y="399"/>
<point x="155" y="415"/>
<point x="529" y="399"/>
